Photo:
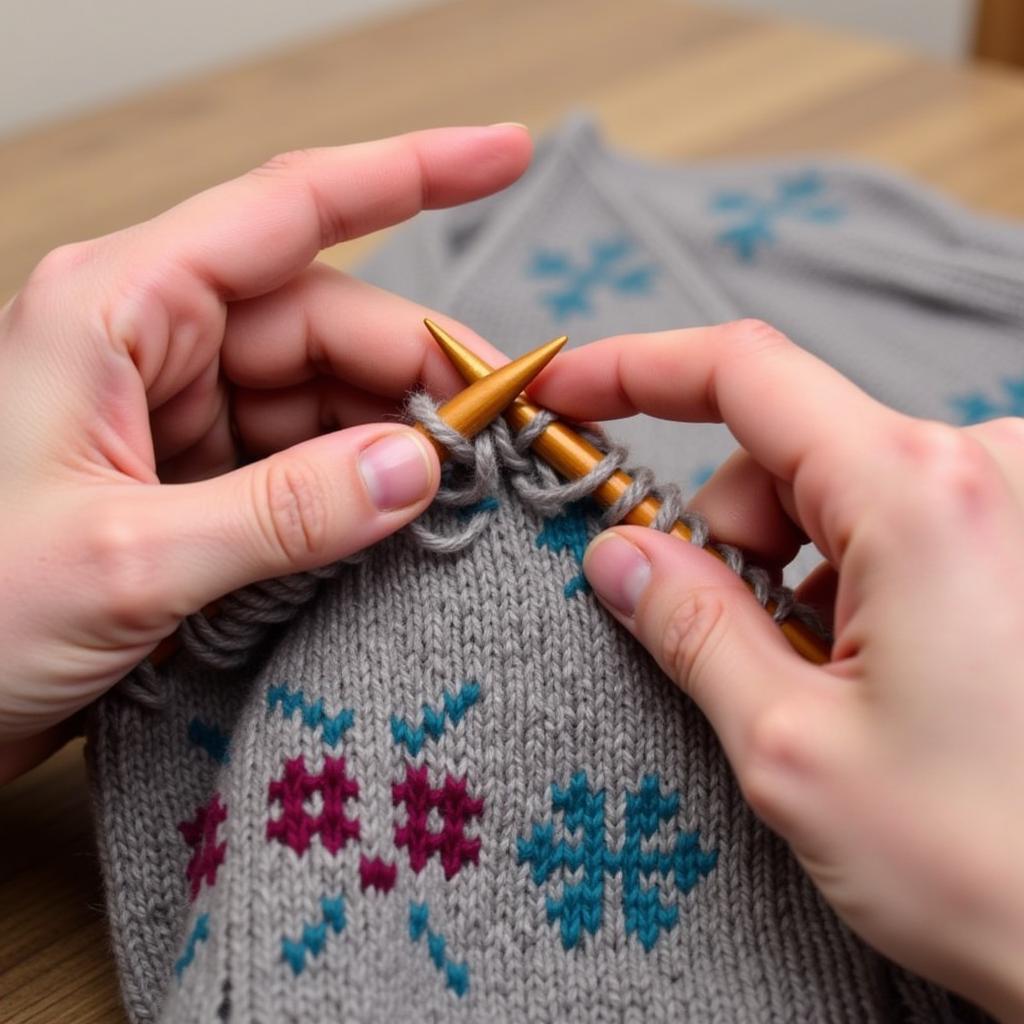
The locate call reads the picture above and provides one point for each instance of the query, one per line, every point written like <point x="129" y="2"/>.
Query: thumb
<point x="699" y="621"/>
<point x="298" y="509"/>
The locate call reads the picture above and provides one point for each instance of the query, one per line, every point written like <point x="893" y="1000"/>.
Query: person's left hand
<point x="137" y="369"/>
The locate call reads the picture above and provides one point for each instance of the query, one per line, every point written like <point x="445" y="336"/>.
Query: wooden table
<point x="667" y="80"/>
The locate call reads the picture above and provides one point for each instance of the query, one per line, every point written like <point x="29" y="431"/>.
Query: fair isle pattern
<point x="295" y="826"/>
<point x="800" y="197"/>
<point x="377" y="873"/>
<point x="611" y="266"/>
<point x="976" y="407"/>
<point x="314" y="936"/>
<point x="590" y="858"/>
<point x="200" y="933"/>
<point x="456" y="975"/>
<point x="207" y="736"/>
<point x="571" y="531"/>
<point x="208" y="852"/>
<point x="389" y="885"/>
<point x="332" y="727"/>
<point x="434" y="720"/>
<point x="455" y="806"/>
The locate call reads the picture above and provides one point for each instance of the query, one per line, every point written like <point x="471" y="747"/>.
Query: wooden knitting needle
<point x="468" y="412"/>
<point x="574" y="456"/>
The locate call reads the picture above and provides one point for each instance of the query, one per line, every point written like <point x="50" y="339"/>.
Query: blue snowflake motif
<point x="976" y="407"/>
<point x="583" y="853"/>
<point x="571" y="531"/>
<point x="609" y="266"/>
<point x="797" y="197"/>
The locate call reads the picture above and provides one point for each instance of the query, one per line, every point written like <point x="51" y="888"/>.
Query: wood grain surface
<point x="666" y="79"/>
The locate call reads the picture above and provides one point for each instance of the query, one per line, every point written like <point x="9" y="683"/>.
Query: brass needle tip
<point x="478" y="405"/>
<point x="470" y="366"/>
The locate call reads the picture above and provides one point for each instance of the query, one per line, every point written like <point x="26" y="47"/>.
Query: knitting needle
<point x="468" y="412"/>
<point x="489" y="393"/>
<point x="574" y="456"/>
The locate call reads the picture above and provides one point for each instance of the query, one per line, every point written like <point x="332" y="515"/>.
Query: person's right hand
<point x="896" y="771"/>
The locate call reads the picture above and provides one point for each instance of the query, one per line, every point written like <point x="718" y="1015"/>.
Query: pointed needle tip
<point x="472" y="409"/>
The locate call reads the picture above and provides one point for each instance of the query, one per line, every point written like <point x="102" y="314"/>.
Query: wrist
<point x="1005" y="997"/>
<point x="999" y="973"/>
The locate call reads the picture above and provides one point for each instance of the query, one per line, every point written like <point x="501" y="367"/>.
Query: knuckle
<point x="778" y="746"/>
<point x="51" y="273"/>
<point x="58" y="263"/>
<point x="946" y="462"/>
<point x="123" y="563"/>
<point x="286" y="162"/>
<point x="750" y="336"/>
<point x="1008" y="429"/>
<point x="693" y="630"/>
<point x="925" y="441"/>
<point x="294" y="500"/>
<point x="294" y="168"/>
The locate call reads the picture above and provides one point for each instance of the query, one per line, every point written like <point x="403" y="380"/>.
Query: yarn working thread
<point x="471" y="477"/>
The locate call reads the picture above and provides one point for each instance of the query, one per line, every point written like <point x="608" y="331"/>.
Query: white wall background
<point x="58" y="57"/>
<point x="61" y="56"/>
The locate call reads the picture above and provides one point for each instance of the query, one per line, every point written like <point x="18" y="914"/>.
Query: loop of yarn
<point x="227" y="640"/>
<point x="541" y="489"/>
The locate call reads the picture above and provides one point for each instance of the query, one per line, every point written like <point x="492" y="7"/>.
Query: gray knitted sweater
<point x="446" y="786"/>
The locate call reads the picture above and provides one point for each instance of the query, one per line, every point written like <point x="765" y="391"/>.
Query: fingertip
<point x="517" y="136"/>
<point x="462" y="164"/>
<point x="618" y="570"/>
<point x="643" y="575"/>
<point x="399" y="470"/>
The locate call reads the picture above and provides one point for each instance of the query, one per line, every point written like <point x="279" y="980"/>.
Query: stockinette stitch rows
<point x="453" y="789"/>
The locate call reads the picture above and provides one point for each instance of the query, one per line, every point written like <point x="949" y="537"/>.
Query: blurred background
<point x="112" y="110"/>
<point x="47" y="72"/>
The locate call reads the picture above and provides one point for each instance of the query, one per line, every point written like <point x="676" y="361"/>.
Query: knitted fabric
<point x="449" y="786"/>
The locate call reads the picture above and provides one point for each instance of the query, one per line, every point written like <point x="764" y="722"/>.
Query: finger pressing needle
<point x="574" y="456"/>
<point x="468" y="412"/>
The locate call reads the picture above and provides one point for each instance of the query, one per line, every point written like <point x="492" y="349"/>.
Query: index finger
<point x="249" y="235"/>
<point x="777" y="399"/>
<point x="798" y="417"/>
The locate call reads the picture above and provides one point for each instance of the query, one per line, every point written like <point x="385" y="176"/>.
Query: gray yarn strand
<point x="542" y="490"/>
<point x="539" y="487"/>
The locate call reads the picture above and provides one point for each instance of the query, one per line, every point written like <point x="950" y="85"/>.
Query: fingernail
<point x="510" y="124"/>
<point x="617" y="570"/>
<point x="396" y="470"/>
